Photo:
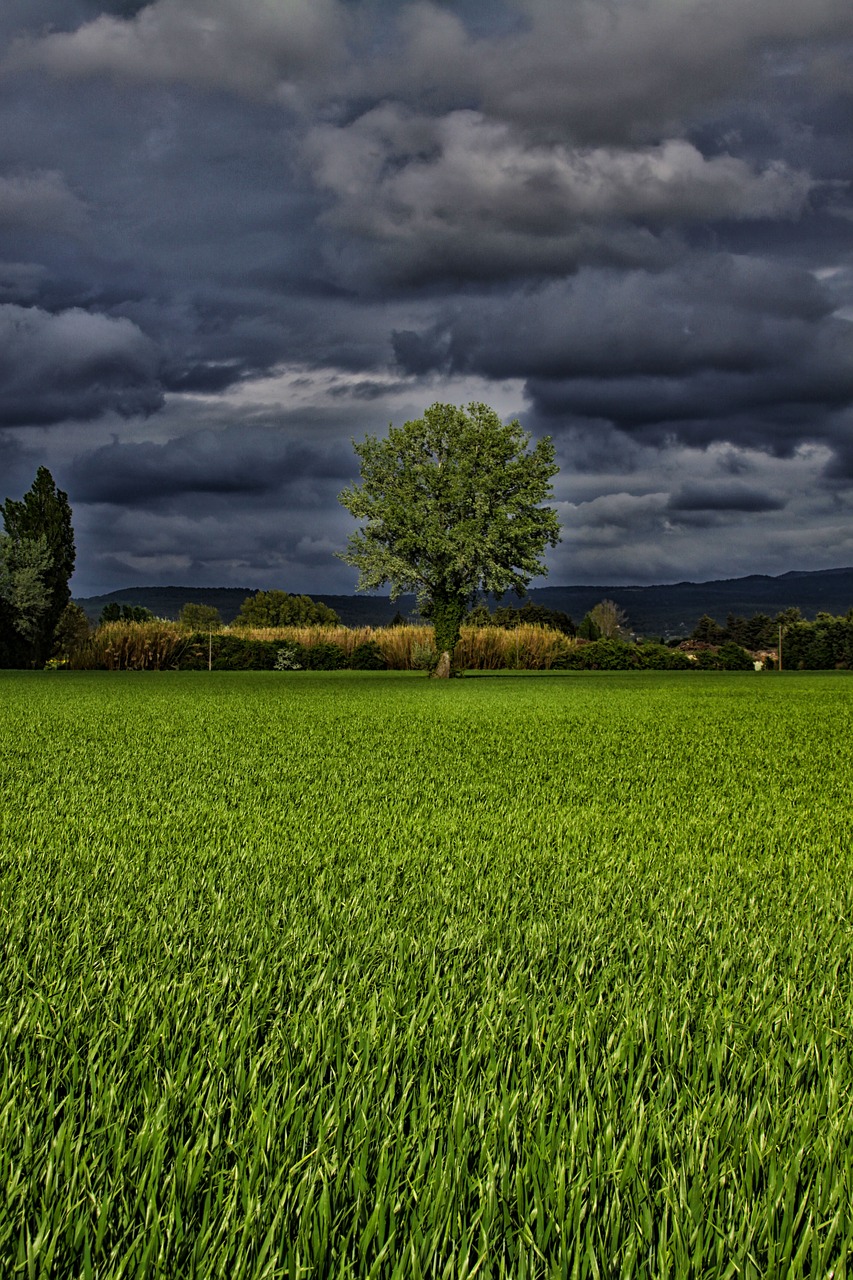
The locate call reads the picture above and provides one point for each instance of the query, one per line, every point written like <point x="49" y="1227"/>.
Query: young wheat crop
<point x="358" y="975"/>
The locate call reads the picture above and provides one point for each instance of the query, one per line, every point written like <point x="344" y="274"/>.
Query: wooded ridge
<point x="667" y="609"/>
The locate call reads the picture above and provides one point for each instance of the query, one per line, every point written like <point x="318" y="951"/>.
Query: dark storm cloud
<point x="718" y="348"/>
<point x="698" y="497"/>
<point x="74" y="365"/>
<point x="233" y="234"/>
<point x="838" y="472"/>
<point x="777" y="414"/>
<point x="239" y="461"/>
<point x="721" y="312"/>
<point x="20" y="281"/>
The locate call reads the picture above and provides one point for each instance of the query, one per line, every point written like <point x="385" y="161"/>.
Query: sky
<point x="237" y="234"/>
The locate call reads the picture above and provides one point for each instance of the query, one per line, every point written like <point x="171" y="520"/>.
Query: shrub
<point x="367" y="657"/>
<point x="423" y="657"/>
<point x="599" y="655"/>
<point x="729" y="657"/>
<point x="324" y="657"/>
<point x="732" y="657"/>
<point x="233" y="653"/>
<point x="659" y="657"/>
<point x="290" y="658"/>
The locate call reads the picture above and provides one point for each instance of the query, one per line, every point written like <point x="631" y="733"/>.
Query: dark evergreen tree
<point x="708" y="631"/>
<point x="42" y="513"/>
<point x="760" y="632"/>
<point x="589" y="628"/>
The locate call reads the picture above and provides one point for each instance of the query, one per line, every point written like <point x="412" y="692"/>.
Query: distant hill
<point x="675" y="608"/>
<point x="167" y="602"/>
<point x="672" y="609"/>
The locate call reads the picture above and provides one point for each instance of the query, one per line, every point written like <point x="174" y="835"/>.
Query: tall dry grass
<point x="160" y="644"/>
<point x="401" y="647"/>
<point x="308" y="636"/>
<point x="529" y="647"/>
<point x="132" y="646"/>
<point x="405" y="648"/>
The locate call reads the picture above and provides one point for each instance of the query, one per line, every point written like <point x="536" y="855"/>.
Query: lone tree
<point x="280" y="609"/>
<point x="451" y="504"/>
<point x="611" y="621"/>
<point x="38" y="560"/>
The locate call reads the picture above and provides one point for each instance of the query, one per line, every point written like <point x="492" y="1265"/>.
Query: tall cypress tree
<point x="43" y="513"/>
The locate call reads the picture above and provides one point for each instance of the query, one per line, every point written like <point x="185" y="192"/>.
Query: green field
<point x="360" y="975"/>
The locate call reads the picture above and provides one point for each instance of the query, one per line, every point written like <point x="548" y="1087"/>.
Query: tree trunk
<point x="442" y="670"/>
<point x="447" y="613"/>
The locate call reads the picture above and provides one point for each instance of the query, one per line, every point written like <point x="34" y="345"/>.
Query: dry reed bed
<point x="132" y="646"/>
<point x="159" y="645"/>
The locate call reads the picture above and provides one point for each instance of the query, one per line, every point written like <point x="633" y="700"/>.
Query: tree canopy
<point x="280" y="609"/>
<point x="116" y="612"/>
<point x="200" y="617"/>
<point x="452" y="508"/>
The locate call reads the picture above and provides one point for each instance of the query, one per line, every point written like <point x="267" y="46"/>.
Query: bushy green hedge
<point x="323" y="657"/>
<point x="658" y="657"/>
<point x="228" y="653"/>
<point x="616" y="655"/>
<point x="234" y="653"/>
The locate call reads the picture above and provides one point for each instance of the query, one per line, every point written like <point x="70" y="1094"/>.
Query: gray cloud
<point x="20" y="281"/>
<point x="40" y="201"/>
<point x="720" y="347"/>
<point x="722" y="312"/>
<point x="424" y="191"/>
<point x="235" y="45"/>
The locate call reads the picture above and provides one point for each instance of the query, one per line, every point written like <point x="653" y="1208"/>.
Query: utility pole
<point x="780" y="646"/>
